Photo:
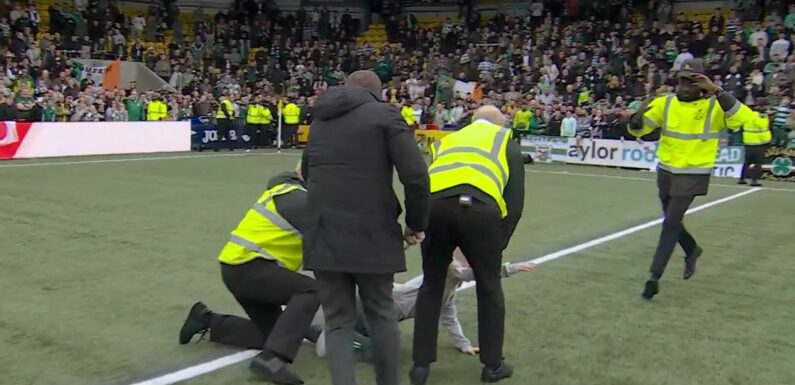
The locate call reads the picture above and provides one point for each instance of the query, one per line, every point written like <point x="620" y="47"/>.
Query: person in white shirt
<point x="415" y="90"/>
<point x="405" y="295"/>
<point x="759" y="34"/>
<point x="780" y="46"/>
<point x="568" y="128"/>
<point x="551" y="69"/>
<point x="139" y="23"/>
<point x="684" y="55"/>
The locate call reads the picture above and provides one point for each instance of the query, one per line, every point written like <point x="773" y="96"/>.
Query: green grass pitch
<point x="100" y="259"/>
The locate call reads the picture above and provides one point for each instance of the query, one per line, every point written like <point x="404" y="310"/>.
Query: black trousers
<point x="255" y="133"/>
<point x="261" y="288"/>
<point x="223" y="127"/>
<point x="289" y="134"/>
<point x="676" y="193"/>
<point x="754" y="155"/>
<point x="477" y="230"/>
<point x="338" y="296"/>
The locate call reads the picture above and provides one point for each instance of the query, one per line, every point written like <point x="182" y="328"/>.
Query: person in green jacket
<point x="135" y="107"/>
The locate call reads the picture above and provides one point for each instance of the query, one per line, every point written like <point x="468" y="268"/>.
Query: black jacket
<point x="355" y="142"/>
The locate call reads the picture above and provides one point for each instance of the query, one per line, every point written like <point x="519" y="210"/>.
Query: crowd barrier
<point x="19" y="140"/>
<point x="204" y="135"/>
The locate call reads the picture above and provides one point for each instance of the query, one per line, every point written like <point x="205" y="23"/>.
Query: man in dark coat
<point x="353" y="236"/>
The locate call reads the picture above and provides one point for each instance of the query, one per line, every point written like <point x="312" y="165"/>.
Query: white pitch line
<point x="625" y="232"/>
<point x="141" y="159"/>
<point x="605" y="176"/>
<point x="200" y="369"/>
<point x="210" y="366"/>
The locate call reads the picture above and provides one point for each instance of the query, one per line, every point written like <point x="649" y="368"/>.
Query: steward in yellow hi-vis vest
<point x="477" y="197"/>
<point x="259" y="266"/>
<point x="156" y="109"/>
<point x="691" y="122"/>
<point x="225" y="119"/>
<point x="255" y="123"/>
<point x="756" y="139"/>
<point x="474" y="155"/>
<point x="292" y="116"/>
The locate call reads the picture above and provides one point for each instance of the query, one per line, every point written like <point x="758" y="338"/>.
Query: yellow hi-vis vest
<point x="475" y="156"/>
<point x="264" y="233"/>
<point x="156" y="110"/>
<point x="266" y="117"/>
<point x="292" y="114"/>
<point x="254" y="115"/>
<point x="408" y="114"/>
<point x="757" y="132"/>
<point x="229" y="108"/>
<point x="690" y="131"/>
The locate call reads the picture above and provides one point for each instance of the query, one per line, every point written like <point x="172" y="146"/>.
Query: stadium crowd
<point x="558" y="68"/>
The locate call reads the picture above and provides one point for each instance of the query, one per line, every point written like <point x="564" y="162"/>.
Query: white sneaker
<point x="320" y="345"/>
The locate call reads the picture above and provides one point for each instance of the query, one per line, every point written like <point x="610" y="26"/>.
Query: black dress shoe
<point x="419" y="374"/>
<point x="491" y="375"/>
<point x="651" y="289"/>
<point x="198" y="321"/>
<point x="690" y="263"/>
<point x="272" y="369"/>
<point x="742" y="181"/>
<point x="756" y="184"/>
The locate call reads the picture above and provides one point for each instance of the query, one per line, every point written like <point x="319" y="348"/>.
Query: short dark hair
<point x="366" y="79"/>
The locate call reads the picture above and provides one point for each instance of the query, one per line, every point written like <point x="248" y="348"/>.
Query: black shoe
<point x="651" y="289"/>
<point x="490" y="375"/>
<point x="274" y="370"/>
<point x="742" y="181"/>
<point x="419" y="374"/>
<point x="690" y="263"/>
<point x="198" y="321"/>
<point x="756" y="184"/>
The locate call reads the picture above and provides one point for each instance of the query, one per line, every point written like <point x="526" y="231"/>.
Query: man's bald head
<point x="490" y="113"/>
<point x="365" y="79"/>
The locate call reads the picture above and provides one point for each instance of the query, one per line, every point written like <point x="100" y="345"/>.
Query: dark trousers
<point x="338" y="295"/>
<point x="243" y="333"/>
<point x="477" y="230"/>
<point x="289" y="134"/>
<point x="674" y="204"/>
<point x="261" y="288"/>
<point x="268" y="135"/>
<point x="255" y="132"/>
<point x="223" y="127"/>
<point x="754" y="155"/>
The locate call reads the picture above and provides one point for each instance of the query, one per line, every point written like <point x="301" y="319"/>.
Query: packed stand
<point x="559" y="68"/>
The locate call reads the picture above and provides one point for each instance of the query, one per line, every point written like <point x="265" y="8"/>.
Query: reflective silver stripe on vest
<point x="436" y="145"/>
<point x="668" y="101"/>
<point x="686" y="170"/>
<point x="679" y="135"/>
<point x="251" y="246"/>
<point x="650" y="123"/>
<point x="708" y="118"/>
<point x="274" y="217"/>
<point x="736" y="107"/>
<point x="485" y="170"/>
<point x="756" y="130"/>
<point x="493" y="155"/>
